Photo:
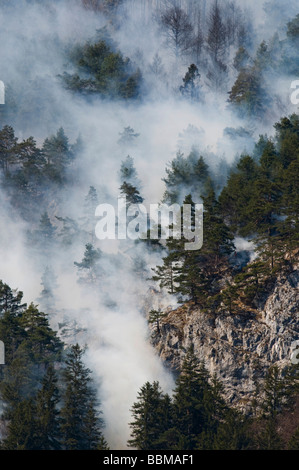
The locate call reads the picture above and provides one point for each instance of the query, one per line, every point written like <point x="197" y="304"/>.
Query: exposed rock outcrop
<point x="239" y="348"/>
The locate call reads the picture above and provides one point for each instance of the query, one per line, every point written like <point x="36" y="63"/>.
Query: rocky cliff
<point x="239" y="348"/>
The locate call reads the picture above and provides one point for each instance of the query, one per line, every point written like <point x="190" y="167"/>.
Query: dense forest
<point x="167" y="102"/>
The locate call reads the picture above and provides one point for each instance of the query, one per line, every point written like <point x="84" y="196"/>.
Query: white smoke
<point x="111" y="319"/>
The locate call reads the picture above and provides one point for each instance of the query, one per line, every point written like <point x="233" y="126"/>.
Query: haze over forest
<point x="128" y="97"/>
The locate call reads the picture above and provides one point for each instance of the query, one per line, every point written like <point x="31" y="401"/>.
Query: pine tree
<point x="186" y="175"/>
<point x="57" y="153"/>
<point x="128" y="136"/>
<point x="238" y="191"/>
<point x="42" y="343"/>
<point x="47" y="412"/>
<point x="8" y="143"/>
<point x="248" y="95"/>
<point x="80" y="422"/>
<point x="70" y="231"/>
<point x="10" y="300"/>
<point x="165" y="275"/>
<point x="190" y="89"/>
<point x="21" y="428"/>
<point x="128" y="172"/>
<point x="191" y="387"/>
<point x="131" y="193"/>
<point x="45" y="233"/>
<point x="218" y="237"/>
<point x="241" y="59"/>
<point x="154" y="318"/>
<point x="233" y="432"/>
<point x="88" y="219"/>
<point x="275" y="397"/>
<point x="89" y="265"/>
<point x="149" y="413"/>
<point x="49" y="283"/>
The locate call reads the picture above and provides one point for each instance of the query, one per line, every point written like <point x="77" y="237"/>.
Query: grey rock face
<point x="238" y="348"/>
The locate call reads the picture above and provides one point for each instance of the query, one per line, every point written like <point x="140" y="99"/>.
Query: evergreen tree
<point x="89" y="264"/>
<point x="190" y="89"/>
<point x="88" y="220"/>
<point x="57" y="153"/>
<point x="80" y="422"/>
<point x="276" y="393"/>
<point x="128" y="136"/>
<point x="248" y="95"/>
<point x="49" y="283"/>
<point x="131" y="193"/>
<point x="233" y="432"/>
<point x="241" y="59"/>
<point x="44" y="235"/>
<point x="154" y="318"/>
<point x="70" y="231"/>
<point x="165" y="275"/>
<point x="189" y="395"/>
<point x="101" y="69"/>
<point x="42" y="343"/>
<point x="8" y="147"/>
<point x="21" y="428"/>
<point x="10" y="300"/>
<point x="47" y="421"/>
<point x="128" y="172"/>
<point x="186" y="175"/>
<point x="149" y="413"/>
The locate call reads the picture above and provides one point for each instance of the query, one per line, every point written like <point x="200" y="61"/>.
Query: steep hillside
<point x="240" y="347"/>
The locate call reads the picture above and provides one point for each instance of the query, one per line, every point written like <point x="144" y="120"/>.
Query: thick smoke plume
<point x="110" y="319"/>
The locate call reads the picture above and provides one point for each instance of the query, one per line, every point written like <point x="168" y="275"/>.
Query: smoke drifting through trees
<point x="80" y="142"/>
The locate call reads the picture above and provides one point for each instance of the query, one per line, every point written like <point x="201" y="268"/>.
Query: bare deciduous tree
<point x="216" y="40"/>
<point x="177" y="29"/>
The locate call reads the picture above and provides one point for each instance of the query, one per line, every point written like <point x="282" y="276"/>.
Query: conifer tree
<point x="190" y="89"/>
<point x="89" y="265"/>
<point x="21" y="427"/>
<point x="80" y="422"/>
<point x="47" y="421"/>
<point x="49" y="283"/>
<point x="88" y="219"/>
<point x="149" y="413"/>
<point x="248" y="95"/>
<point x="8" y="143"/>
<point x="57" y="153"/>
<point x="131" y="193"/>
<point x="154" y="318"/>
<point x="191" y="388"/>
<point x="42" y="343"/>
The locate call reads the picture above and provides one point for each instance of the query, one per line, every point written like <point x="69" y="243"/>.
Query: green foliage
<point x="241" y="58"/>
<point x="190" y="273"/>
<point x="248" y="95"/>
<point x="190" y="89"/>
<point x="89" y="268"/>
<point x="39" y="404"/>
<point x="196" y="417"/>
<point x="186" y="175"/>
<point x="131" y="193"/>
<point x="81" y="425"/>
<point x="151" y="417"/>
<point x="276" y="396"/>
<point x="293" y="29"/>
<point x="154" y="318"/>
<point x="102" y="70"/>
